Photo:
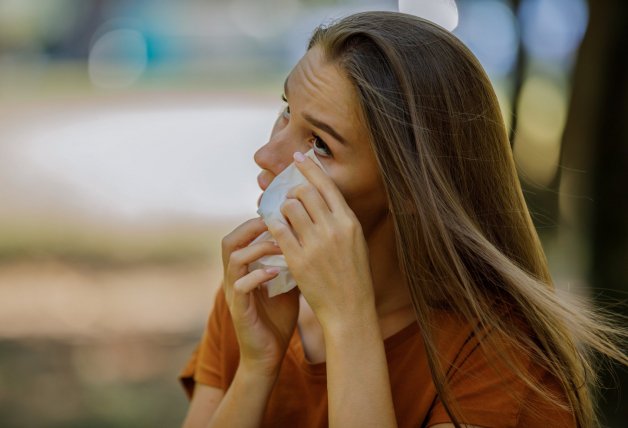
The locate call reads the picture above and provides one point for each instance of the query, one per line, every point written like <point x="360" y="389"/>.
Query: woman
<point x="424" y="297"/>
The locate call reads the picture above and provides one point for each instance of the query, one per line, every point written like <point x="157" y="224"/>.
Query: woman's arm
<point x="263" y="328"/>
<point x="357" y="375"/>
<point x="203" y="405"/>
<point x="242" y="406"/>
<point x="330" y="262"/>
<point x="245" y="401"/>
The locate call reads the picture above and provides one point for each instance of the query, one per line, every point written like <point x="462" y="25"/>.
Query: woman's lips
<point x="264" y="179"/>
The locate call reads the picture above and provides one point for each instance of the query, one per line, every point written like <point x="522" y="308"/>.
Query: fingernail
<point x="272" y="270"/>
<point x="299" y="157"/>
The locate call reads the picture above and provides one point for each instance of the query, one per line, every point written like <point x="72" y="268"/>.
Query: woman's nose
<point x="276" y="155"/>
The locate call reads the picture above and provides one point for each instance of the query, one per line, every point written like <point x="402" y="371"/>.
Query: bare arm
<point x="357" y="377"/>
<point x="244" y="403"/>
<point x="203" y="405"/>
<point x="263" y="329"/>
<point x="242" y="406"/>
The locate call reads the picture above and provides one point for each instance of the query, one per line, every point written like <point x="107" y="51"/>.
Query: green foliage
<point x="106" y="247"/>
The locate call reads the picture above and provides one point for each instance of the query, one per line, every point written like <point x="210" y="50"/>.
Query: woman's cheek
<point x="364" y="195"/>
<point x="339" y="180"/>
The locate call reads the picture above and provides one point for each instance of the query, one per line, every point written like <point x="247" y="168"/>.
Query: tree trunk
<point x="594" y="179"/>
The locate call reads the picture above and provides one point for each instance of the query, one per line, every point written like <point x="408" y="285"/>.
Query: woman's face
<point x="322" y="113"/>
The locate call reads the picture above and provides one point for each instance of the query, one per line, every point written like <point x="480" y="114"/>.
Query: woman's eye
<point x="285" y="111"/>
<point x="320" y="147"/>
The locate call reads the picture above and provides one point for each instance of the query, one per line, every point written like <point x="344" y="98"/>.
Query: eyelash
<point x="316" y="140"/>
<point x="285" y="112"/>
<point x="325" y="148"/>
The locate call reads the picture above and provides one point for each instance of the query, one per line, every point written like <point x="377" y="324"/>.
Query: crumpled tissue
<point x="269" y="209"/>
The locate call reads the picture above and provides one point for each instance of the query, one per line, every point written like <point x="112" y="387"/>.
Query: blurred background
<point x="127" y="131"/>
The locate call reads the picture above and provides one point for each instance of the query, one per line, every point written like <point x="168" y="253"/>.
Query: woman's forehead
<point x="321" y="78"/>
<point x="319" y="88"/>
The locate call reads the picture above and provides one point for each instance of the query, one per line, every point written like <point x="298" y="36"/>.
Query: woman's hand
<point x="327" y="253"/>
<point x="328" y="256"/>
<point x="263" y="325"/>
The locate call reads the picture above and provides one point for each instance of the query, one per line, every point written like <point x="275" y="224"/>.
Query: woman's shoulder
<point x="493" y="378"/>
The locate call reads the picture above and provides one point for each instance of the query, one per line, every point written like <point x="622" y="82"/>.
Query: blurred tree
<point x="595" y="161"/>
<point x="542" y="200"/>
<point x="518" y="75"/>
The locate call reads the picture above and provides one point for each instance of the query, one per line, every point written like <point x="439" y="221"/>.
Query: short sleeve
<point x="485" y="395"/>
<point x="206" y="364"/>
<point x="490" y="394"/>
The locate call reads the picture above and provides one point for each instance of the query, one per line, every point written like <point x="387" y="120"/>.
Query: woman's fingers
<point x="241" y="236"/>
<point x="284" y="236"/>
<point x="325" y="185"/>
<point x="254" y="279"/>
<point x="298" y="216"/>
<point x="241" y="299"/>
<point x="239" y="282"/>
<point x="240" y="259"/>
<point x="311" y="199"/>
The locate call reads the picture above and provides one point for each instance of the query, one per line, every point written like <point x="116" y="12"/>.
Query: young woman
<point x="424" y="297"/>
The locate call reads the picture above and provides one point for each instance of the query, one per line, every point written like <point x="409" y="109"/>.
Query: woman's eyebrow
<point x="325" y="127"/>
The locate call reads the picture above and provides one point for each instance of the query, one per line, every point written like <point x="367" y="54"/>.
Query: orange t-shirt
<point x="485" y="397"/>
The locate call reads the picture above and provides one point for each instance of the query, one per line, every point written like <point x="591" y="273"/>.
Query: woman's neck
<point x="392" y="299"/>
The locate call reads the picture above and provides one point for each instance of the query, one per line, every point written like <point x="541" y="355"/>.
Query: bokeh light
<point x="542" y="114"/>
<point x="502" y="91"/>
<point x="117" y="58"/>
<point x="246" y="16"/>
<point x="489" y="29"/>
<point x="15" y="19"/>
<point x="441" y="12"/>
<point x="552" y="30"/>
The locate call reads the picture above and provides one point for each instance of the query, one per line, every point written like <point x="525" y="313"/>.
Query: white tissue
<point x="269" y="209"/>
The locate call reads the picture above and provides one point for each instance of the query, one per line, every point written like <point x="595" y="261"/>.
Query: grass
<point x="109" y="246"/>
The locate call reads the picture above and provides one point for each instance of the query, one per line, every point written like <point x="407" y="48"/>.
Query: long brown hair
<point x="464" y="235"/>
